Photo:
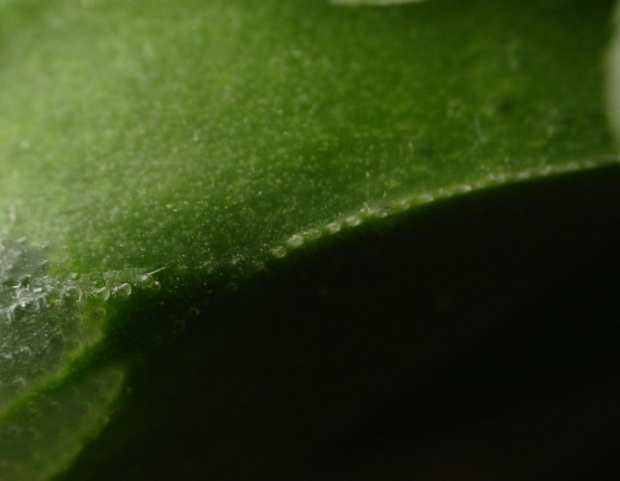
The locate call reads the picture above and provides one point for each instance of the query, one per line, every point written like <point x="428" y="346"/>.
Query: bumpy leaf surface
<point x="148" y="147"/>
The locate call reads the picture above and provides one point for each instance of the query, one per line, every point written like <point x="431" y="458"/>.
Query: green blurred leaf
<point x="612" y="79"/>
<point x="43" y="434"/>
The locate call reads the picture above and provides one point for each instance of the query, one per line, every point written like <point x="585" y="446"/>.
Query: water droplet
<point x="278" y="252"/>
<point x="145" y="280"/>
<point x="404" y="204"/>
<point x="463" y="188"/>
<point x="312" y="234"/>
<point x="424" y="198"/>
<point x="123" y="290"/>
<point x="546" y="170"/>
<point x="295" y="241"/>
<point x="19" y="310"/>
<point x="498" y="178"/>
<point x="334" y="227"/>
<point x="377" y="212"/>
<point x="102" y="294"/>
<point x="73" y="294"/>
<point x="353" y="221"/>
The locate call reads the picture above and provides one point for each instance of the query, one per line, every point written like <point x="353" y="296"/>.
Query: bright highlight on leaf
<point x="41" y="321"/>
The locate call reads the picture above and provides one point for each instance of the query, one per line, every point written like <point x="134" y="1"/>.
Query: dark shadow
<point x="475" y="339"/>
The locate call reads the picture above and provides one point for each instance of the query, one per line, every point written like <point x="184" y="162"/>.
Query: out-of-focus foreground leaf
<point x="154" y="150"/>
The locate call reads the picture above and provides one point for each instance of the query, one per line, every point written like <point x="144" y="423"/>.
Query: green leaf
<point x="375" y="2"/>
<point x="48" y="431"/>
<point x="612" y="80"/>
<point x="153" y="149"/>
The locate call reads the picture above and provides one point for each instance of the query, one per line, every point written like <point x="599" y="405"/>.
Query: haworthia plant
<point x="151" y="148"/>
